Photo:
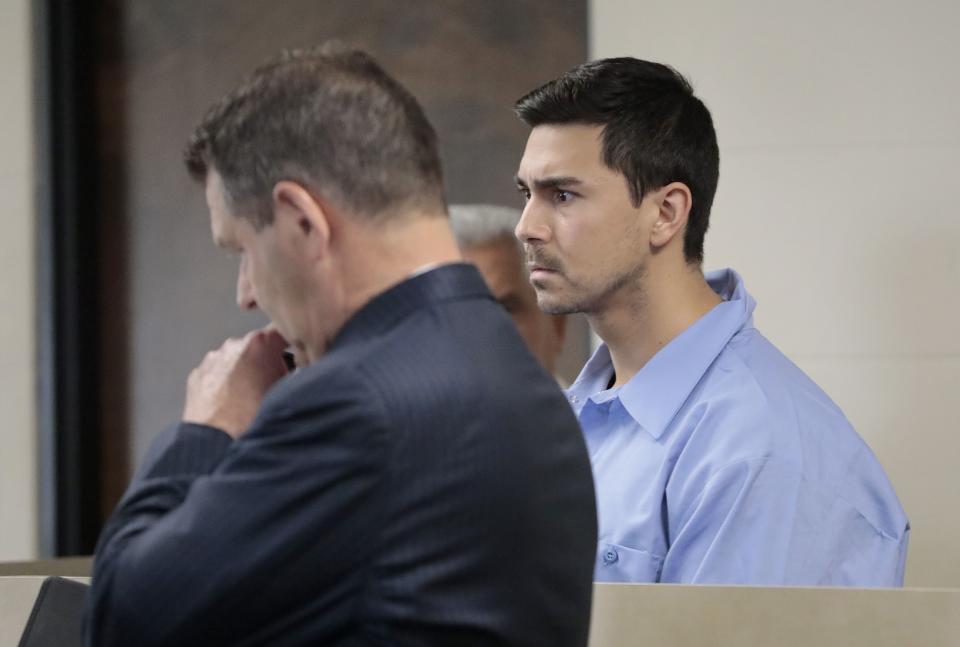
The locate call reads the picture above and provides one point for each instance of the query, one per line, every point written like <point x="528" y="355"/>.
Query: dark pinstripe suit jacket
<point x="425" y="483"/>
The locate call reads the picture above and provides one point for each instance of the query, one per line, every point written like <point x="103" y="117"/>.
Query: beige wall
<point x="18" y="499"/>
<point x="839" y="127"/>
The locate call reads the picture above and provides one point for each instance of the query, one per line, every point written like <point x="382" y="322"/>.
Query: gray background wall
<point x="18" y="473"/>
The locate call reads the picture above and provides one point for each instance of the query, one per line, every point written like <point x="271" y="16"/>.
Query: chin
<point x="554" y="305"/>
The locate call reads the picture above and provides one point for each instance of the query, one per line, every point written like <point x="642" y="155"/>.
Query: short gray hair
<point x="331" y="119"/>
<point x="478" y="224"/>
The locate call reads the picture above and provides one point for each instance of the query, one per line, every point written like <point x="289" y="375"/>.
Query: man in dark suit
<point x="420" y="480"/>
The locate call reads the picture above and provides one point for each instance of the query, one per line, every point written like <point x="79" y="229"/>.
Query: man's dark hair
<point x="330" y="119"/>
<point x="655" y="131"/>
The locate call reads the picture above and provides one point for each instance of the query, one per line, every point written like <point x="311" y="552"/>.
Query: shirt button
<point x="573" y="399"/>
<point x="610" y="556"/>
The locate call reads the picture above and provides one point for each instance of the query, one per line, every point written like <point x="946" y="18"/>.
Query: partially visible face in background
<point x="501" y="263"/>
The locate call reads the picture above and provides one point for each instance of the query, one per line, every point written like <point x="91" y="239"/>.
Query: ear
<point x="673" y="202"/>
<point x="302" y="214"/>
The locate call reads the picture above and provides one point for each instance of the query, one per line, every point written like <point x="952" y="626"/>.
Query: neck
<point x="635" y="325"/>
<point x="366" y="259"/>
<point x="381" y="256"/>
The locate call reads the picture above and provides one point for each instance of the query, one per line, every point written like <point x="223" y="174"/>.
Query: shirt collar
<point x="655" y="394"/>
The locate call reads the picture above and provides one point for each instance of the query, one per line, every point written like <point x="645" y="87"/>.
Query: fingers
<point x="264" y="347"/>
<point x="266" y="340"/>
<point x="226" y="389"/>
<point x="272" y="329"/>
<point x="272" y="339"/>
<point x="258" y="348"/>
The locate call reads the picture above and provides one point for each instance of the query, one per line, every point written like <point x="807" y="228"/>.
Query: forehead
<point x="223" y="225"/>
<point x="568" y="149"/>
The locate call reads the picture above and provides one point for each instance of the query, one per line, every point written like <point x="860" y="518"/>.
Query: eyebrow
<point x="550" y="182"/>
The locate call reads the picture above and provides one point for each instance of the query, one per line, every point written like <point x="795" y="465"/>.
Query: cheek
<point x="585" y="255"/>
<point x="583" y="240"/>
<point x="265" y="283"/>
<point x="279" y="277"/>
<point x="615" y="246"/>
<point x="254" y="278"/>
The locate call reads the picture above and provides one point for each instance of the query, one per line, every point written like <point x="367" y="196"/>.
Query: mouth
<point x="539" y="270"/>
<point x="542" y="276"/>
<point x="541" y="267"/>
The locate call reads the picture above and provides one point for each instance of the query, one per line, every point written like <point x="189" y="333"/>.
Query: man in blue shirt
<point x="716" y="460"/>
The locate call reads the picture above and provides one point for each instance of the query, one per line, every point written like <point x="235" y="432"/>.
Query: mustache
<point x="537" y="258"/>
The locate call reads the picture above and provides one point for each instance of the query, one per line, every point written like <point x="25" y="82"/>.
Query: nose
<point x="532" y="227"/>
<point x="245" y="297"/>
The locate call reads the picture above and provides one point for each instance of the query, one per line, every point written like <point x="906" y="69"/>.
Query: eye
<point x="562" y="196"/>
<point x="524" y="193"/>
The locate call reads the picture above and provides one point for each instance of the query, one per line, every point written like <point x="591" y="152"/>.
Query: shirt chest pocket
<point x="616" y="563"/>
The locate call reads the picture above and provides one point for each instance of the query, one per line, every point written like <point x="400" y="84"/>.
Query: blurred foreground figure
<point x="419" y="480"/>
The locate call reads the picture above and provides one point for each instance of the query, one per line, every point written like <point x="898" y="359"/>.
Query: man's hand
<point x="225" y="391"/>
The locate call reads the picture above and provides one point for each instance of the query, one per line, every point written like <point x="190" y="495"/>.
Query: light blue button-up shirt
<point x="722" y="462"/>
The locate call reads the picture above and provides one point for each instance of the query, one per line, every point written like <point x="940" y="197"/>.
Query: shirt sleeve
<point x="210" y="543"/>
